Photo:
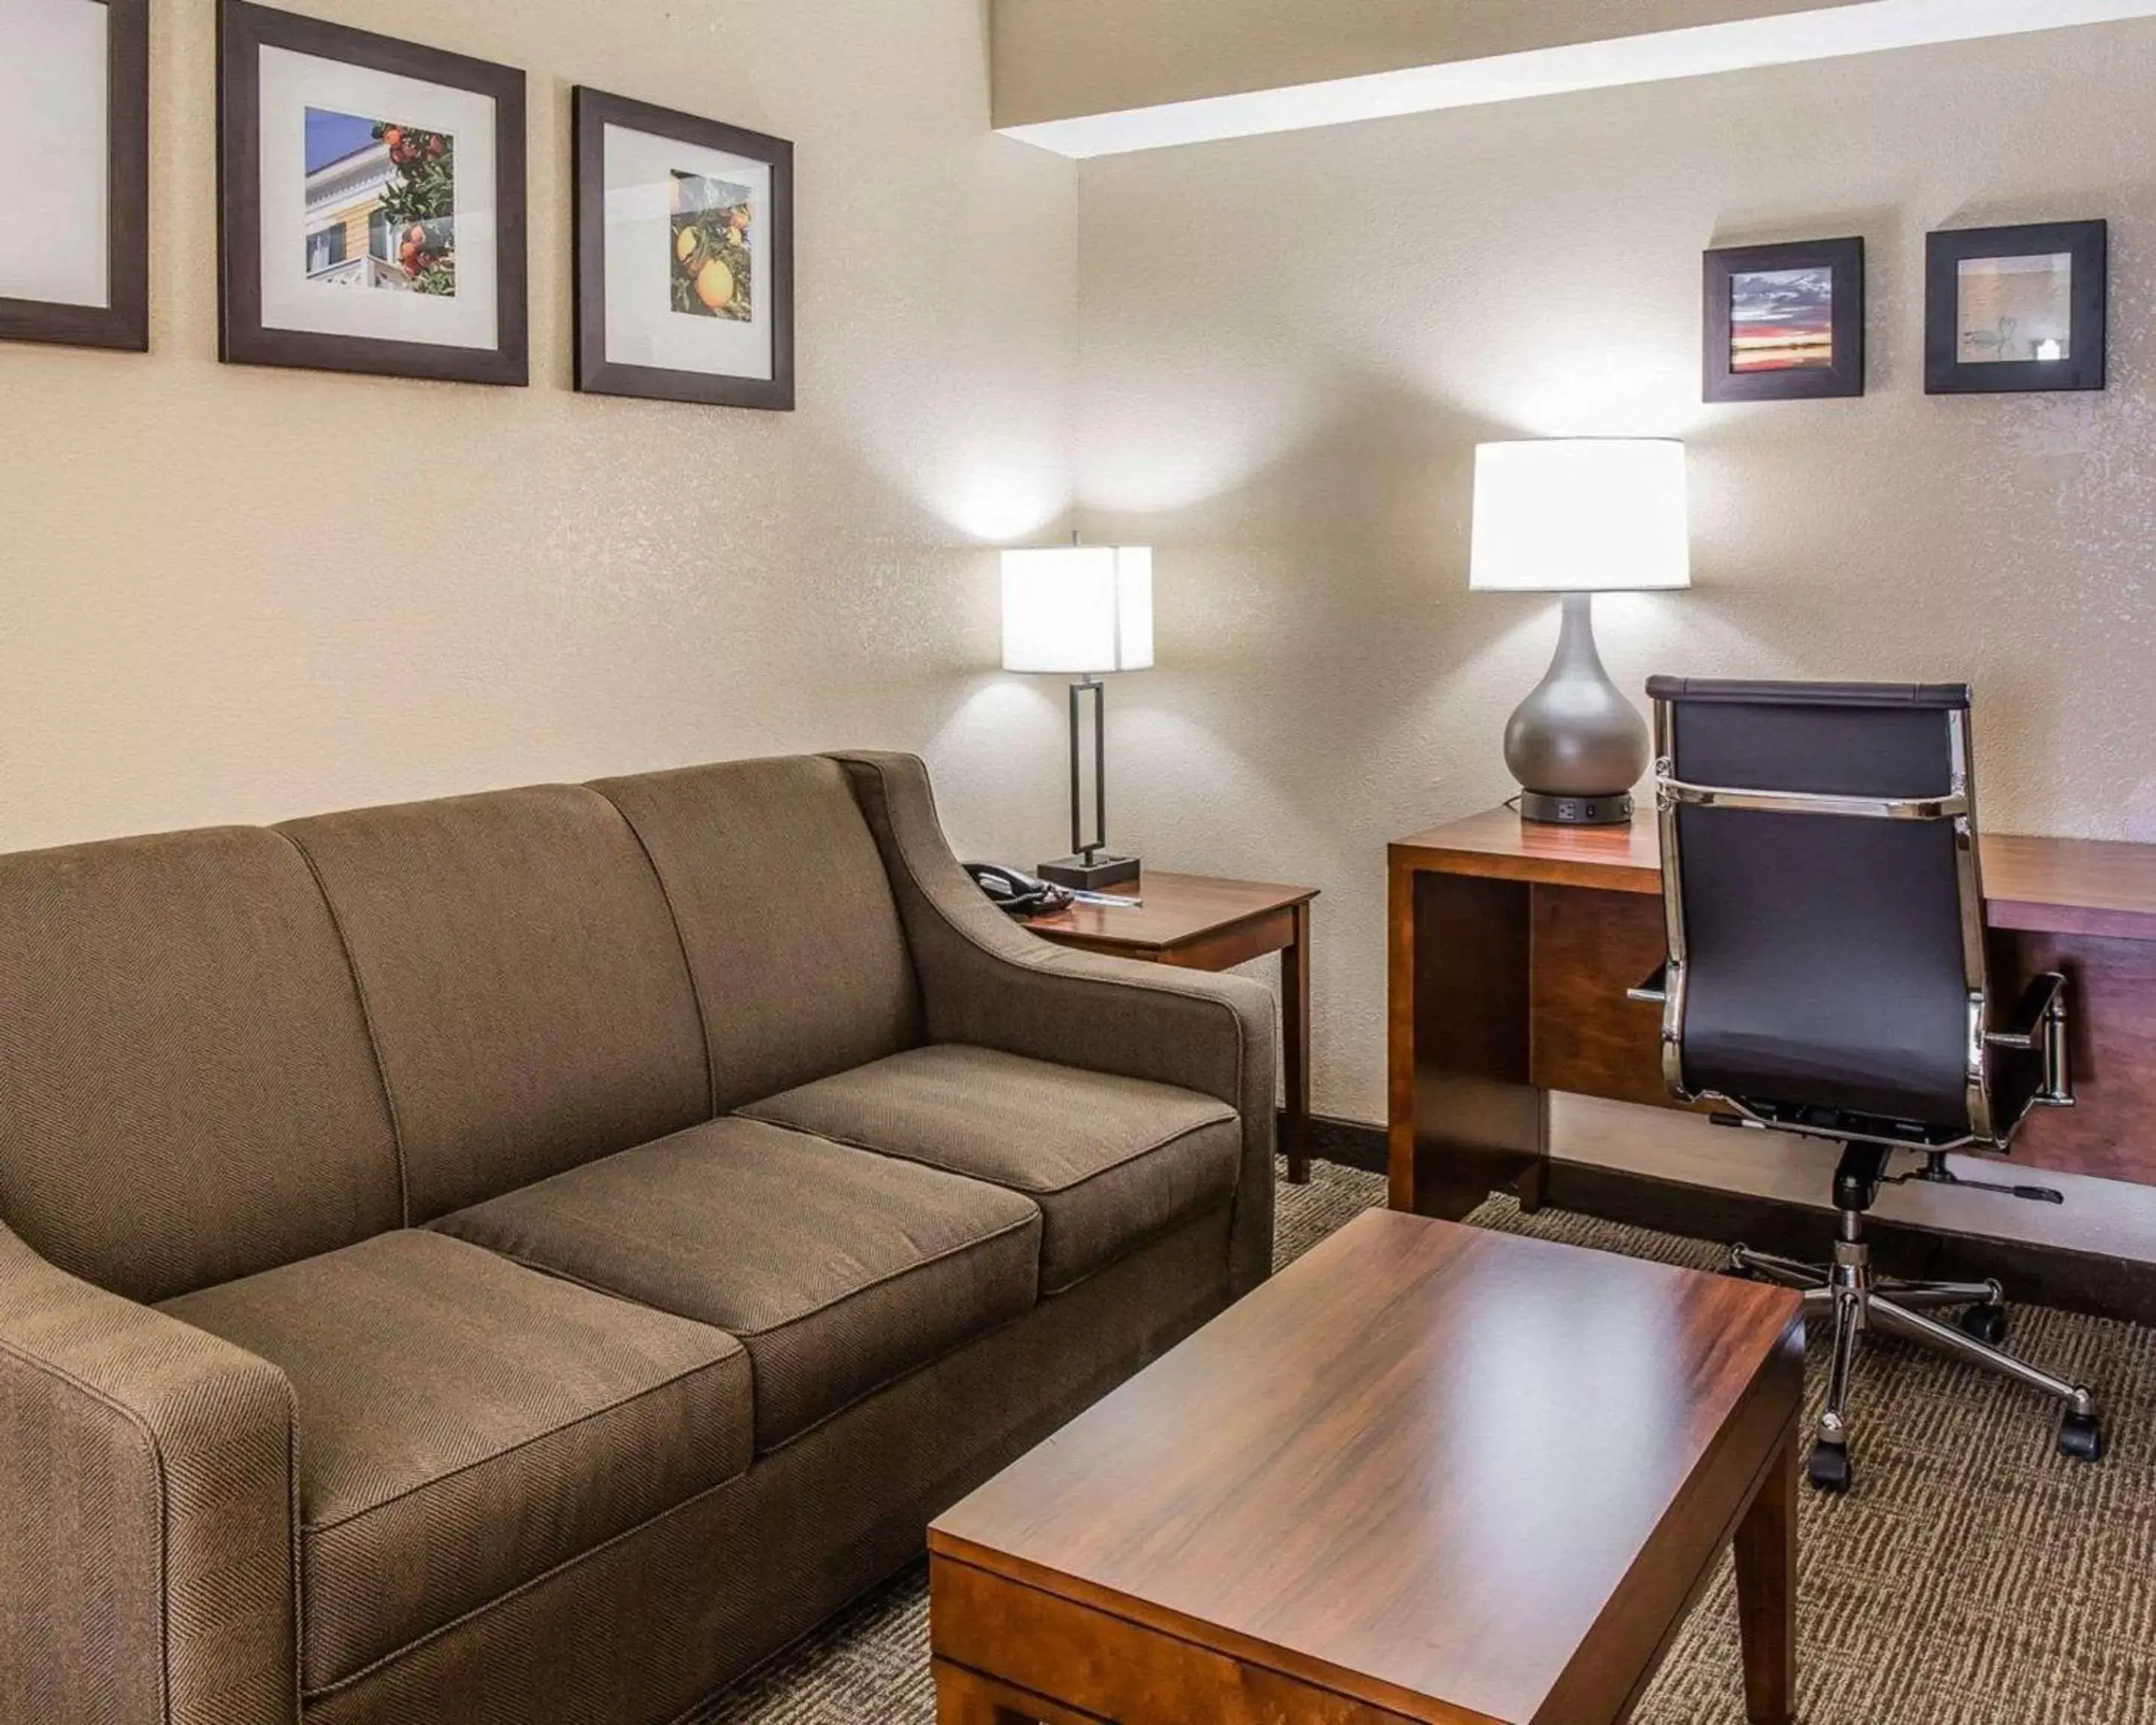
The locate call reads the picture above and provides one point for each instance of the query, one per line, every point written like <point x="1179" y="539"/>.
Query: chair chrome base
<point x="1857" y="1299"/>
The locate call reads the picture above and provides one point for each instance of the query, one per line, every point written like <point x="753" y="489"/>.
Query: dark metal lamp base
<point x="1089" y="875"/>
<point x="1612" y="810"/>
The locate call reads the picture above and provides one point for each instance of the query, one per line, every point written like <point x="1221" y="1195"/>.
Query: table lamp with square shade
<point x="1579" y="516"/>
<point x="1081" y="611"/>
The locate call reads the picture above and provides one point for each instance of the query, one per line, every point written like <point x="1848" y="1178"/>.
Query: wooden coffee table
<point x="1428" y="1472"/>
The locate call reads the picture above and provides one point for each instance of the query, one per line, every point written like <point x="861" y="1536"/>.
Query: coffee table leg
<point x="1766" y="1549"/>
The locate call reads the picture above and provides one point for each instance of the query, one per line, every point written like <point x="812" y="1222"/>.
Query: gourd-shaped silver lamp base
<point x="1575" y="744"/>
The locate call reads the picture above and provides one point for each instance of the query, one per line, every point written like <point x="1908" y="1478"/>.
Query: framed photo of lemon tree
<point x="372" y="202"/>
<point x="684" y="257"/>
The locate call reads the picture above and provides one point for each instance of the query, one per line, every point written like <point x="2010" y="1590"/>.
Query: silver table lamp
<point x="1579" y="516"/>
<point x="1082" y="610"/>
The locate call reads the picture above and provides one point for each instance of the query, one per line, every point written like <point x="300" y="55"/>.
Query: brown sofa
<point x="528" y="1257"/>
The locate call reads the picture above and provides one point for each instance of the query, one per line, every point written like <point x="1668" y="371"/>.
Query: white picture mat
<point x="54" y="143"/>
<point x="292" y="83"/>
<point x="642" y="326"/>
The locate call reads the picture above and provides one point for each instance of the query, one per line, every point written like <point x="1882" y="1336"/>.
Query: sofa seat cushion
<point x="840" y="1271"/>
<point x="465" y="1425"/>
<point x="1111" y="1161"/>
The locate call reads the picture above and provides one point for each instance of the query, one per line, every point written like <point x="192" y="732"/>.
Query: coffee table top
<point x="1417" y="1465"/>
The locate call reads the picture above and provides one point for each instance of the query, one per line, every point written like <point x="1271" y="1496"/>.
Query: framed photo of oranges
<point x="372" y="202"/>
<point x="684" y="257"/>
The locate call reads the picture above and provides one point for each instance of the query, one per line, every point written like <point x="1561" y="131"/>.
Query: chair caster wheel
<point x="1827" y="1467"/>
<point x="1986" y="1323"/>
<point x="2081" y="1437"/>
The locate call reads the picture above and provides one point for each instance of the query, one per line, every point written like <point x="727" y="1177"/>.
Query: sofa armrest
<point x="146" y="1572"/>
<point x="986" y="981"/>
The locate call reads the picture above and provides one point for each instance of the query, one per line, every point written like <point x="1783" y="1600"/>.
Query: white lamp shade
<point x="1078" y="608"/>
<point x="1580" y="515"/>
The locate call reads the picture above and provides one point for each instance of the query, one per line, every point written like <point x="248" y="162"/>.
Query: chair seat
<point x="841" y="1272"/>
<point x="1111" y="1161"/>
<point x="465" y="1425"/>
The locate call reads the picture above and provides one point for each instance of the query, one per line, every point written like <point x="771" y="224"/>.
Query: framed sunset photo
<point x="373" y="203"/>
<point x="1785" y="322"/>
<point x="684" y="257"/>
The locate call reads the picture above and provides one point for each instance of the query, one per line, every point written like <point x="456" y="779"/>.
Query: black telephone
<point x="1014" y="890"/>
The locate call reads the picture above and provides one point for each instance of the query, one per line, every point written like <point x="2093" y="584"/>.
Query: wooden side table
<point x="1204" y="923"/>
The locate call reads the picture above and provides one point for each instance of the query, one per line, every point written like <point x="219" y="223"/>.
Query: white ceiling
<point x="1781" y="40"/>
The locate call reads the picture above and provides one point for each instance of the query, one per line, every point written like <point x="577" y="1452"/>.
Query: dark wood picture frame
<point x="244" y="30"/>
<point x="594" y="111"/>
<point x="2089" y="245"/>
<point x="1843" y="377"/>
<point x="123" y="322"/>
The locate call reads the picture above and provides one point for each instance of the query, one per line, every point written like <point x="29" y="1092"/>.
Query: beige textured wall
<point x="1290" y="345"/>
<point x="1286" y="351"/>
<point x="236" y="594"/>
<point x="1058" y="59"/>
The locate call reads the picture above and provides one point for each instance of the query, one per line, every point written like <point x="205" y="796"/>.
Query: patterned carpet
<point x="1973" y="1578"/>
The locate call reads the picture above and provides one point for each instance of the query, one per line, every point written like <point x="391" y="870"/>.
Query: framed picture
<point x="1785" y="322"/>
<point x="684" y="257"/>
<point x="371" y="203"/>
<point x="75" y="173"/>
<point x="2015" y="308"/>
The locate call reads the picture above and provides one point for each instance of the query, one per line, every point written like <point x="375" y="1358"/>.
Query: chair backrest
<point x="1825" y="913"/>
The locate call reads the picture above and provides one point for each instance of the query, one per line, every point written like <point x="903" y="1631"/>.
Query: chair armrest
<point x="1655" y="991"/>
<point x="985" y="981"/>
<point x="2039" y="1000"/>
<point x="2038" y="1029"/>
<point x="146" y="1571"/>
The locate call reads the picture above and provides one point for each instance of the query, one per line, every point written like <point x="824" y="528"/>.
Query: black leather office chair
<point x="1826" y="976"/>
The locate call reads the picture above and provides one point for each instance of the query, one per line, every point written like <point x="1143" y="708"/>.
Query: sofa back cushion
<point x="787" y="916"/>
<point x="522" y="979"/>
<point x="186" y="1094"/>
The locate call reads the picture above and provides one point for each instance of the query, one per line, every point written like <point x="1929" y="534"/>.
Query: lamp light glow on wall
<point x="1579" y="516"/>
<point x="1083" y="611"/>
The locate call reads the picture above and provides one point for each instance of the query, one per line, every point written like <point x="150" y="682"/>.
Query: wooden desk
<point x="1512" y="944"/>
<point x="1205" y="923"/>
<point x="1486" y="1480"/>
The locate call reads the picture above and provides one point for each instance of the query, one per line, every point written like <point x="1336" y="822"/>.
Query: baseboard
<point x="1349" y="1142"/>
<point x="2092" y="1282"/>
